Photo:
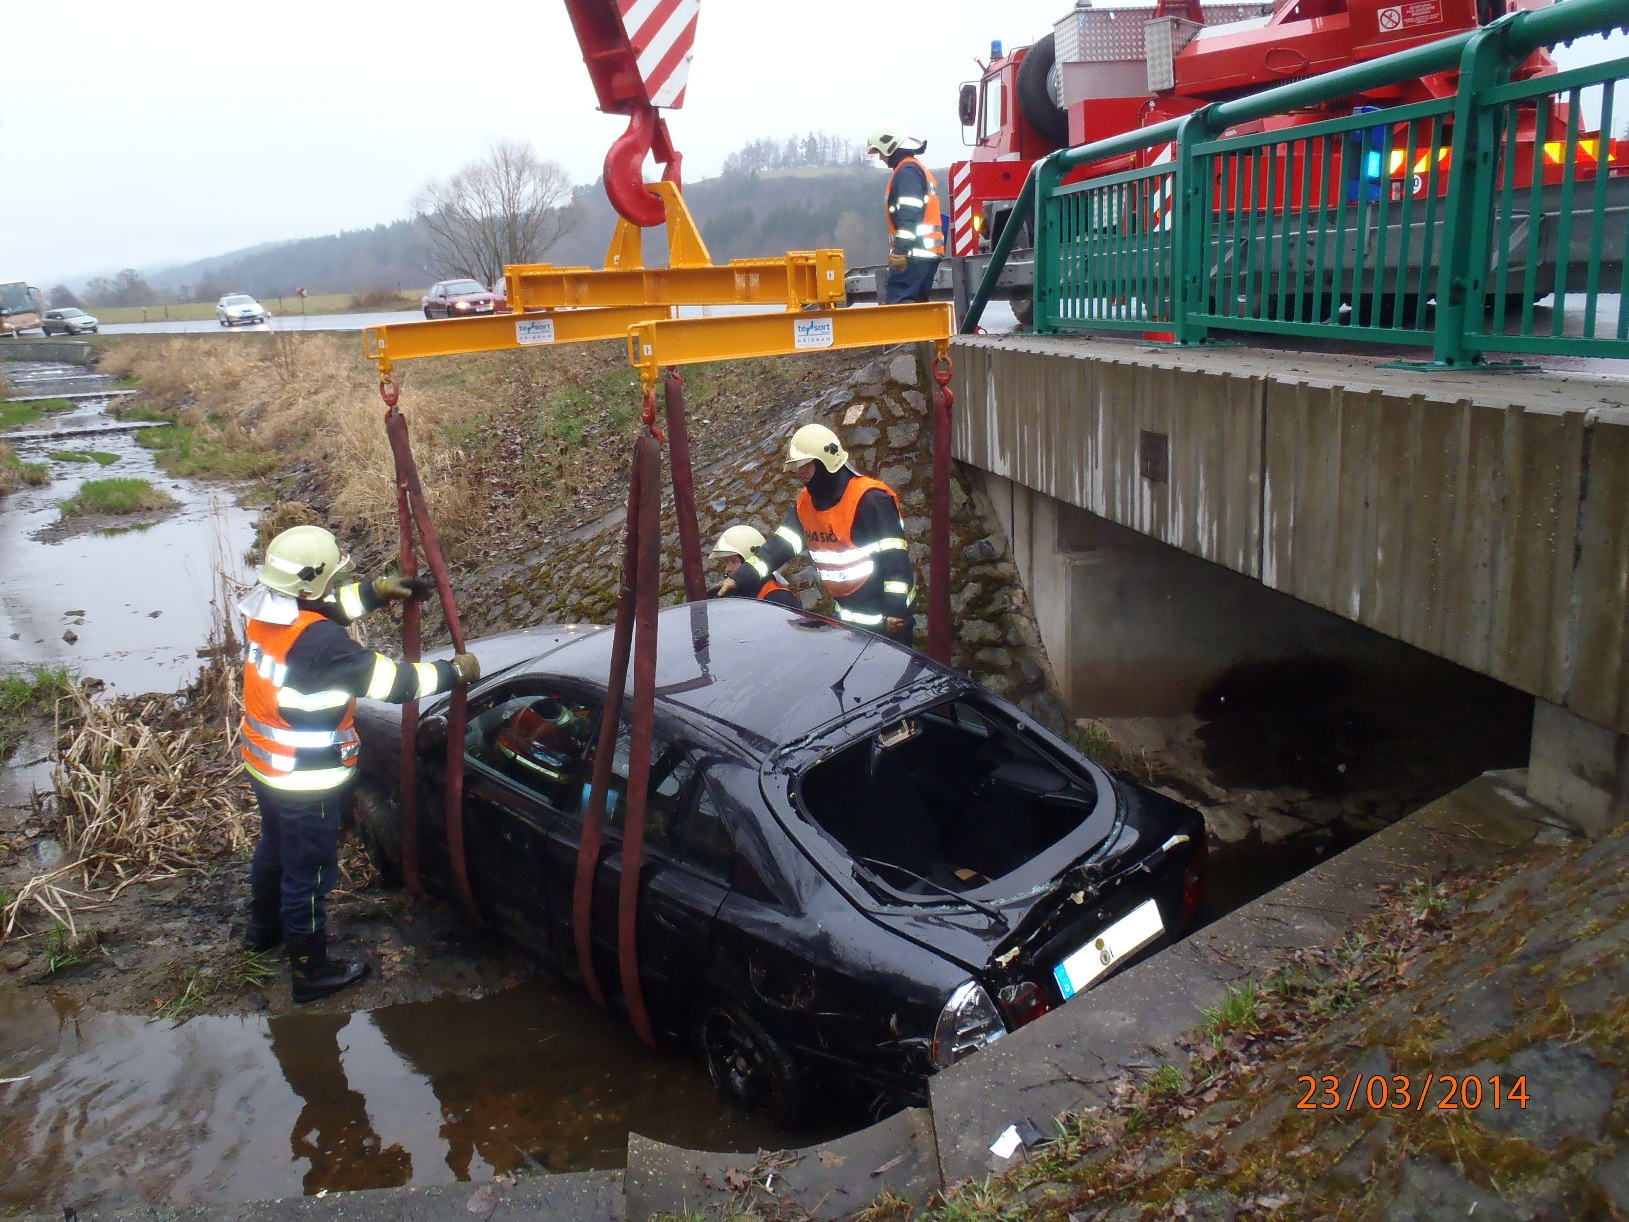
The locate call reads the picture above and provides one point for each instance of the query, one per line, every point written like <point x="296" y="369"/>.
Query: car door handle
<point x="667" y="922"/>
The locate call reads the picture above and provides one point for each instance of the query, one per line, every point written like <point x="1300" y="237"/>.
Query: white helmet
<point x="303" y="561"/>
<point x="739" y="540"/>
<point x="890" y="137"/>
<point x="816" y="443"/>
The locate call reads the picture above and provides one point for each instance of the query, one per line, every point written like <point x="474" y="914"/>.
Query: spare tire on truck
<point x="1035" y="101"/>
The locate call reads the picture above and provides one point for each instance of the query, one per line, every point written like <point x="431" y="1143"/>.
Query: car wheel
<point x="748" y="1066"/>
<point x="379" y="826"/>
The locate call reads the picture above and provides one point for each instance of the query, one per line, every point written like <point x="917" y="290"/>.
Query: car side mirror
<point x="967" y="105"/>
<point x="432" y="733"/>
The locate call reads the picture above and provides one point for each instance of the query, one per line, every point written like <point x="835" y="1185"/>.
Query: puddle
<point x="120" y="1109"/>
<point x="140" y="598"/>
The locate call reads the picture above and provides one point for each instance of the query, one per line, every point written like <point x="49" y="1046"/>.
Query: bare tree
<point x="509" y="207"/>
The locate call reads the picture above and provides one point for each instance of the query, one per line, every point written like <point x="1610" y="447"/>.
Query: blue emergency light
<point x="995" y="49"/>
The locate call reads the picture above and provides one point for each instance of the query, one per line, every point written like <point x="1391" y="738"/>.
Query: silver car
<point x="68" y="321"/>
<point x="239" y="308"/>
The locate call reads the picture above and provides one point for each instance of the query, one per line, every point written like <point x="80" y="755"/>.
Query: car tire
<point x="748" y="1066"/>
<point x="378" y="819"/>
<point x="427" y="313"/>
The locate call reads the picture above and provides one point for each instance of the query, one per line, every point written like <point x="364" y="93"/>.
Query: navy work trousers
<point x="912" y="284"/>
<point x="298" y="852"/>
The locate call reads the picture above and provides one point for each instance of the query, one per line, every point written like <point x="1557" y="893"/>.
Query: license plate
<point x="1134" y="930"/>
<point x="483" y="309"/>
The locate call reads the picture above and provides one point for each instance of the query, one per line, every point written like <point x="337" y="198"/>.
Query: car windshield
<point x="948" y="799"/>
<point x="70" y="313"/>
<point x="459" y="287"/>
<point x="237" y="299"/>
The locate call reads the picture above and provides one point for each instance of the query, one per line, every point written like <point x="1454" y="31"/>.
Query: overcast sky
<point x="169" y="130"/>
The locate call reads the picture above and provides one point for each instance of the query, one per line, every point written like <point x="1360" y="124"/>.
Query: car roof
<point x="765" y="672"/>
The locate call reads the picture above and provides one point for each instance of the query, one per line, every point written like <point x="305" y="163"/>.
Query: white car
<point x="236" y="308"/>
<point x="68" y="321"/>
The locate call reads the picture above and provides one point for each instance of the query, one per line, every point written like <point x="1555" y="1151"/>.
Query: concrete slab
<point x="588" y="1196"/>
<point x="831" y="1180"/>
<point x="1066" y="1060"/>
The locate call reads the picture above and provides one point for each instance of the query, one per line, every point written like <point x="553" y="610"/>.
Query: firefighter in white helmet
<point x="738" y="545"/>
<point x="916" y="236"/>
<point x="302" y="676"/>
<point x="850" y="525"/>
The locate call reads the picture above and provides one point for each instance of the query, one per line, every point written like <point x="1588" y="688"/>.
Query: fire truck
<point x="1113" y="66"/>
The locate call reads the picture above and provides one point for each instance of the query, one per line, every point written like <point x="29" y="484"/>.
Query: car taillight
<point x="1196" y="879"/>
<point x="968" y="1021"/>
<point x="1022" y="1003"/>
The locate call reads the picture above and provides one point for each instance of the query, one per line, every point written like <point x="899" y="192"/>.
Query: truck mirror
<point x="967" y="105"/>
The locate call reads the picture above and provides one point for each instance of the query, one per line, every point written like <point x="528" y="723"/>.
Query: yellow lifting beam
<point x="495" y="332"/>
<point x="687" y="341"/>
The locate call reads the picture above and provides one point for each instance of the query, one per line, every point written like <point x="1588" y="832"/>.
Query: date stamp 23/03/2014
<point x="1429" y="1091"/>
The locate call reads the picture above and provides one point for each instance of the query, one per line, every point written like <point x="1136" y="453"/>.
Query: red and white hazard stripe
<point x="1159" y="199"/>
<point x="663" y="36"/>
<point x="963" y="237"/>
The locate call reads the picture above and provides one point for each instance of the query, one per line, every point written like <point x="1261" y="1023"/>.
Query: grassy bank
<point x="285" y="307"/>
<point x="25" y="694"/>
<point x="21" y="415"/>
<point x="15" y="473"/>
<point x="116" y="496"/>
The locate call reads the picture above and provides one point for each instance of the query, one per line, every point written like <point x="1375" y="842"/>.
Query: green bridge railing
<point x="1444" y="224"/>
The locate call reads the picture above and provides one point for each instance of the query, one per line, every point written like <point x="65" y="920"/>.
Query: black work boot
<point x="265" y="928"/>
<point x="315" y="974"/>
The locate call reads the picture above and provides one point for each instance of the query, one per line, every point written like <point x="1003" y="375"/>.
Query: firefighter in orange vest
<point x="851" y="527"/>
<point x="916" y="238"/>
<point x="739" y="544"/>
<point x="302" y="676"/>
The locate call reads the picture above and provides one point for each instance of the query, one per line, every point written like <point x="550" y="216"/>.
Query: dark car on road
<point x="859" y="866"/>
<point x="458" y="299"/>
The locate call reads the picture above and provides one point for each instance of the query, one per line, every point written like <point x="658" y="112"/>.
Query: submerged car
<point x="859" y="866"/>
<point x="237" y="309"/>
<point x="68" y="321"/>
<point x="458" y="299"/>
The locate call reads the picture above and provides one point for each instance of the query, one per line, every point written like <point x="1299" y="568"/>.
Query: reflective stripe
<point x="758" y="566"/>
<point x="429" y="679"/>
<point x="924" y="254"/>
<point x="910" y="201"/>
<point x="350" y="600"/>
<point x="904" y="235"/>
<point x="383" y="678"/>
<point x="791" y="536"/>
<point x="300" y="738"/>
<point x="926" y="229"/>
<point x="889" y="545"/>
<point x="305" y="780"/>
<point x="858" y="617"/>
<point x="856" y="572"/>
<point x="275" y="762"/>
<point x="316" y="702"/>
<point x="831" y="556"/>
<point x="896" y="587"/>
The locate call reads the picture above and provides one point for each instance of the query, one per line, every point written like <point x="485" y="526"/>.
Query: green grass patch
<point x="116" y="496"/>
<point x="180" y="449"/>
<point x="14" y="472"/>
<point x="96" y="456"/>
<point x="16" y="415"/>
<point x="138" y="412"/>
<point x="1238" y="1011"/>
<point x="566" y="414"/>
<point x="25" y="693"/>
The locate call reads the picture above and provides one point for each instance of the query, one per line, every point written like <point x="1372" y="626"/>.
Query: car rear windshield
<point x="948" y="799"/>
<point x="239" y="299"/>
<point x="465" y="286"/>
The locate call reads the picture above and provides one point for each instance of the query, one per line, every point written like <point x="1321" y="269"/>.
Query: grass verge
<point x="27" y="693"/>
<point x="96" y="456"/>
<point x="116" y="496"/>
<point x="14" y="472"/>
<point x="17" y="415"/>
<point x="182" y="449"/>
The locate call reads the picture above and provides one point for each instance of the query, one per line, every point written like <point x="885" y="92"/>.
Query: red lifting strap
<point x="939" y="524"/>
<point x="413" y="510"/>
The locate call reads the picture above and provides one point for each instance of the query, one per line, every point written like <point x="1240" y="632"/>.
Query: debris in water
<point x="70" y="636"/>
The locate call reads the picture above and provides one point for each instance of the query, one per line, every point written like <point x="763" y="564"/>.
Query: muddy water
<point x="118" y="1109"/>
<point x="138" y="601"/>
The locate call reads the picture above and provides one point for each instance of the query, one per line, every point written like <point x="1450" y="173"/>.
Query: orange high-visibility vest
<point x="929" y="237"/>
<point x="770" y="586"/>
<point x="272" y="746"/>
<point x="829" y="535"/>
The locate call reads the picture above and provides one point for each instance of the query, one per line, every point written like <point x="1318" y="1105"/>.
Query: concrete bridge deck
<point x="1480" y="517"/>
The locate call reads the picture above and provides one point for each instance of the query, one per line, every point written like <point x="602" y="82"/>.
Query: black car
<point x="859" y="867"/>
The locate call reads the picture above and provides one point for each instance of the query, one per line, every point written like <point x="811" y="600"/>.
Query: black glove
<point x="397" y="589"/>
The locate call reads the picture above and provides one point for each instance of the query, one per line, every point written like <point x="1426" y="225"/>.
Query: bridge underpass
<point x="1175" y="512"/>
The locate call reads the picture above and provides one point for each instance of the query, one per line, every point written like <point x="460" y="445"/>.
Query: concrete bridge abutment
<point x="1175" y="513"/>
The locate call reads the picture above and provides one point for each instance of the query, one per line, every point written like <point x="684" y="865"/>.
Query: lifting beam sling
<point x="413" y="510"/>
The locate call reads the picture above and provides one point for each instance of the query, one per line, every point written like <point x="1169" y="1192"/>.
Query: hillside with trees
<point x="798" y="193"/>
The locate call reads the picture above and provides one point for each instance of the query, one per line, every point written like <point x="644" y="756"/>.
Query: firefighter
<point x="300" y="683"/>
<point x="916" y="236"/>
<point x="851" y="526"/>
<point x="739" y="544"/>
